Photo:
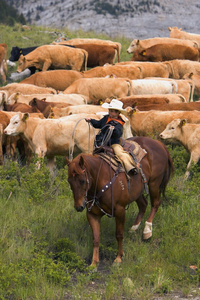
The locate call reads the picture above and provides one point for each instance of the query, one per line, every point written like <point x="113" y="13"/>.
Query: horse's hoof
<point x="147" y="236"/>
<point x="147" y="233"/>
<point x="134" y="228"/>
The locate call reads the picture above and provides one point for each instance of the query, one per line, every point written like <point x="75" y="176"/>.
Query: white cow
<point x="153" y="86"/>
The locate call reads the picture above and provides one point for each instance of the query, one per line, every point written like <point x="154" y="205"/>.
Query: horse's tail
<point x="168" y="173"/>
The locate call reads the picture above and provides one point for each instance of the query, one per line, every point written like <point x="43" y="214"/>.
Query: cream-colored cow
<point x="188" y="135"/>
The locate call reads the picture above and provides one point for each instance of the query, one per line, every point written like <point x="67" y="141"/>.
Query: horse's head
<point x="79" y="182"/>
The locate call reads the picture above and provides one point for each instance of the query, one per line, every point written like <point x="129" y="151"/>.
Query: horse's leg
<point x="119" y="220"/>
<point x="155" y="203"/>
<point x="142" y="205"/>
<point x="94" y="222"/>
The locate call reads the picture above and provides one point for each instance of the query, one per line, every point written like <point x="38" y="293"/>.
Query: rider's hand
<point x="87" y="120"/>
<point x="112" y="127"/>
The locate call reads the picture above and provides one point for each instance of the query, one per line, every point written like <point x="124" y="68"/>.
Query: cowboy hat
<point x="114" y="104"/>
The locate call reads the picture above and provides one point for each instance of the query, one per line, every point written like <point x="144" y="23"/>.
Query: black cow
<point x="16" y="52"/>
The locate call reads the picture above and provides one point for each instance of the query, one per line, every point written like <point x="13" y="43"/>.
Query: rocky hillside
<point x="129" y="18"/>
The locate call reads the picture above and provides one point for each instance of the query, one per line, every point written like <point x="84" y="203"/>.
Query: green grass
<point x="46" y="246"/>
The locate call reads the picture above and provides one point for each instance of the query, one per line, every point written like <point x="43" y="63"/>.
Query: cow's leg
<point x="142" y="205"/>
<point x="94" y="222"/>
<point x="46" y="65"/>
<point x="51" y="163"/>
<point x="41" y="152"/>
<point x="1" y="144"/>
<point x="194" y="157"/>
<point x="119" y="219"/>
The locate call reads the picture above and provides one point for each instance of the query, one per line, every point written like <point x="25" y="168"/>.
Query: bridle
<point x="95" y="198"/>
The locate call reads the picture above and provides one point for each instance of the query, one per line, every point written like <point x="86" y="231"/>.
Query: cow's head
<point x="173" y="129"/>
<point x="21" y="64"/>
<point x="17" y="124"/>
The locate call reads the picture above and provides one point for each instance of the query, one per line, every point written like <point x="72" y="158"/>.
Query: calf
<point x="188" y="135"/>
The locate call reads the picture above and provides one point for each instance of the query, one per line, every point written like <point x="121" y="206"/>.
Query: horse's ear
<point x="81" y="162"/>
<point x="67" y="161"/>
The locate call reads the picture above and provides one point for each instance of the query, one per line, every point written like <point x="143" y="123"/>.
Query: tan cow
<point x="179" y="67"/>
<point x="74" y="99"/>
<point x="188" y="135"/>
<point x="163" y="52"/>
<point x="101" y="88"/>
<point x="120" y="71"/>
<point x="56" y="79"/>
<point x="54" y="57"/>
<point x="57" y="112"/>
<point x="3" y="62"/>
<point x="148" y="69"/>
<point x="153" y="122"/>
<point x="179" y="34"/>
<point x="137" y="44"/>
<point x="195" y="79"/>
<point x="28" y="89"/>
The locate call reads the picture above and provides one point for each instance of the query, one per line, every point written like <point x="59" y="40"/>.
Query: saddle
<point x="133" y="148"/>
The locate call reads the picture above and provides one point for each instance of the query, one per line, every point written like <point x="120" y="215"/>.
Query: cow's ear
<point x="143" y="52"/>
<point x="129" y="111"/>
<point x="182" y="122"/>
<point x="138" y="41"/>
<point x="191" y="74"/>
<point x="25" y="117"/>
<point x="169" y="28"/>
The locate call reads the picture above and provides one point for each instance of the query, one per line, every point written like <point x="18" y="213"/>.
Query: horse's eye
<point x="82" y="181"/>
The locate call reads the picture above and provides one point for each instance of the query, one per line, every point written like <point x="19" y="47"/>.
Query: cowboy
<point x="111" y="126"/>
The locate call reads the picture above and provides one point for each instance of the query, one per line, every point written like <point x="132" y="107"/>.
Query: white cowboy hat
<point x="114" y="104"/>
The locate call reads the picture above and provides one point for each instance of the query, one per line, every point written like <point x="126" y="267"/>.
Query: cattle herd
<point x="45" y="113"/>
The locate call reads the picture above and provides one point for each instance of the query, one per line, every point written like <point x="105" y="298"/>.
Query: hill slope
<point x="129" y="18"/>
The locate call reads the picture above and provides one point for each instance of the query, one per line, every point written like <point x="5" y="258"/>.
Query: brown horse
<point x="105" y="192"/>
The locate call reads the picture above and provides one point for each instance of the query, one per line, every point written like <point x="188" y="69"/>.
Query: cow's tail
<point x="192" y="86"/>
<point x="174" y="87"/>
<point x="170" y="69"/>
<point x="130" y="87"/>
<point x="118" y="52"/>
<point x="85" y="60"/>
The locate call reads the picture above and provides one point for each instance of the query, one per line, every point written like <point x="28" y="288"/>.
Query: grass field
<point x="46" y="246"/>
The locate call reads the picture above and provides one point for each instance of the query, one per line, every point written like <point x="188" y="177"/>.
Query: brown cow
<point x="149" y="99"/>
<point x="79" y="41"/>
<point x="144" y="44"/>
<point x="3" y="62"/>
<point x="22" y="107"/>
<point x="99" y="55"/>
<point x="163" y="52"/>
<point x="54" y="57"/>
<point x="169" y="106"/>
<point x="45" y="107"/>
<point x="56" y="79"/>
<point x="179" y="34"/>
